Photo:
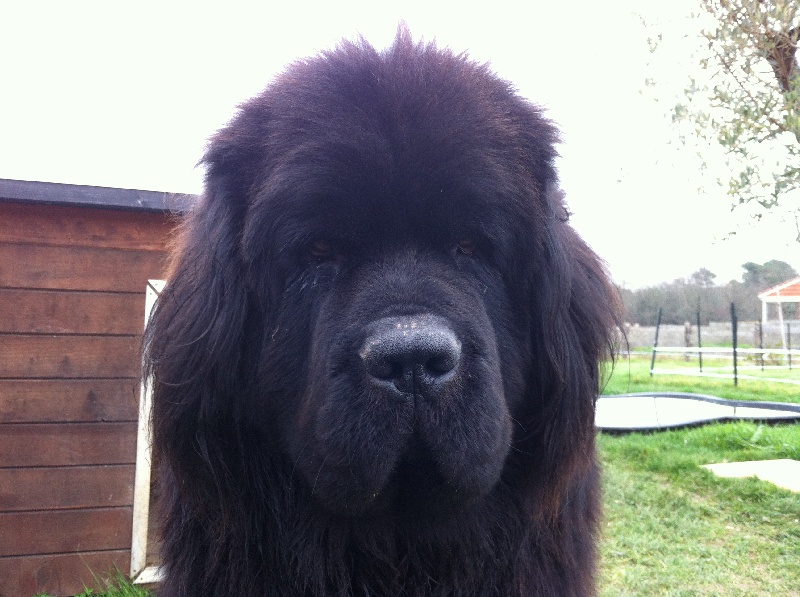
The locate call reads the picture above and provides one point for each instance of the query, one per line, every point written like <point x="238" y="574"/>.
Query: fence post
<point x="789" y="342"/>
<point x="735" y="341"/>
<point x="655" y="342"/>
<point x="699" y="343"/>
<point x="761" y="342"/>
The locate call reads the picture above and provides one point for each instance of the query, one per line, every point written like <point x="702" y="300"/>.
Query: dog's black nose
<point x="414" y="354"/>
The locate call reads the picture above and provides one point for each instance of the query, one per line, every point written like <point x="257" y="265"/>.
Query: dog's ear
<point x="573" y="308"/>
<point x="193" y="342"/>
<point x="575" y="317"/>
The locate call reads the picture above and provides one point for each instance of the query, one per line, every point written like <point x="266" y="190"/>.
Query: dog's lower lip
<point x="416" y="471"/>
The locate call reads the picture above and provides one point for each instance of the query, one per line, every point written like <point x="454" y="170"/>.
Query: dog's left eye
<point x="466" y="246"/>
<point x="321" y="250"/>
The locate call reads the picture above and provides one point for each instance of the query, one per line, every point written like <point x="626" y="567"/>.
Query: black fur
<point x="362" y="189"/>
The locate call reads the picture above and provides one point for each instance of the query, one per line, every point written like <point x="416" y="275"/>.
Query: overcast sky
<point x="107" y="94"/>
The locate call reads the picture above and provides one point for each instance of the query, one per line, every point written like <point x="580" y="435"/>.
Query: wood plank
<point x="68" y="400"/>
<point x="69" y="356"/>
<point x="57" y="312"/>
<point x="66" y="487"/>
<point x="64" y="531"/>
<point x="78" y="268"/>
<point x="58" y="225"/>
<point x="153" y="528"/>
<point x="58" y="574"/>
<point x="66" y="445"/>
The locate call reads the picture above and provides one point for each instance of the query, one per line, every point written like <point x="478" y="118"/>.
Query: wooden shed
<point x="74" y="264"/>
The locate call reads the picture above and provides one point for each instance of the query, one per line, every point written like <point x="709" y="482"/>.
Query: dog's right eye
<point x="321" y="250"/>
<point x="466" y="246"/>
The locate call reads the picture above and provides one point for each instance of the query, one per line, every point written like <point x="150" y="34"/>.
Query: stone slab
<point x="784" y="472"/>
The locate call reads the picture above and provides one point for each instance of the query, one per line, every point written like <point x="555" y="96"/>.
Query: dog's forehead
<point x="388" y="149"/>
<point x="356" y="195"/>
<point x="412" y="141"/>
<point x="382" y="209"/>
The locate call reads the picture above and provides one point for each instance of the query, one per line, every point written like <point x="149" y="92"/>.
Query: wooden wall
<point x="72" y="287"/>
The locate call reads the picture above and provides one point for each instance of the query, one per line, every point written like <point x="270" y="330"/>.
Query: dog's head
<point x="380" y="291"/>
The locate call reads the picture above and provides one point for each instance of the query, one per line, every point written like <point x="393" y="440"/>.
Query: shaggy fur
<point x="376" y="360"/>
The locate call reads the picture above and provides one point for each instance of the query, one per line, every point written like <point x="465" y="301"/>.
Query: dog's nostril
<point x="395" y="365"/>
<point x="410" y="351"/>
<point x="383" y="369"/>
<point x="442" y="363"/>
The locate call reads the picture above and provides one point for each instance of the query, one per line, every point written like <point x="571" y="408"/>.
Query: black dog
<point x="377" y="356"/>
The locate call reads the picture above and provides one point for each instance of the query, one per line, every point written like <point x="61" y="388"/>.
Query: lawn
<point x="673" y="528"/>
<point x="114" y="584"/>
<point x="632" y="374"/>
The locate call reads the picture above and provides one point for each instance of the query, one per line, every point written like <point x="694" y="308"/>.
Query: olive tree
<point x="750" y="100"/>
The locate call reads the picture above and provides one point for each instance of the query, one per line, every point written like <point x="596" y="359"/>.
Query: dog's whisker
<point x="518" y="450"/>
<point x="321" y="466"/>
<point x="299" y="455"/>
<point x="521" y="426"/>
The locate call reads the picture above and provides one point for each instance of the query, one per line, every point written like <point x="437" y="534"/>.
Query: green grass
<point x="115" y="585"/>
<point x="633" y="375"/>
<point x="673" y="528"/>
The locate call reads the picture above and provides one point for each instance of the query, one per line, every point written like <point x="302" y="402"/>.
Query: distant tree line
<point x="682" y="298"/>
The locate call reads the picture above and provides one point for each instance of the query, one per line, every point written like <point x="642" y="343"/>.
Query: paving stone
<point x="783" y="472"/>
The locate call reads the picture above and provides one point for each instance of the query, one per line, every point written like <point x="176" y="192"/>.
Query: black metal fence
<point x="763" y="346"/>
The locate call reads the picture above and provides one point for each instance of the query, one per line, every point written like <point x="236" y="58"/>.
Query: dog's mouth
<point x="417" y="489"/>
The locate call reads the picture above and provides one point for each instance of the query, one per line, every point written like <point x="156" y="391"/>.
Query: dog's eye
<point x="321" y="250"/>
<point x="466" y="246"/>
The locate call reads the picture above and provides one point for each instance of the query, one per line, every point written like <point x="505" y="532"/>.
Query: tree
<point x="760" y="277"/>
<point x="682" y="298"/>
<point x="699" y="284"/>
<point x="751" y="104"/>
<point x="702" y="278"/>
